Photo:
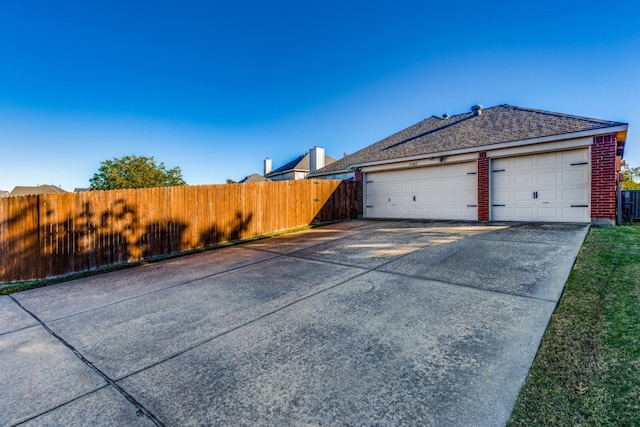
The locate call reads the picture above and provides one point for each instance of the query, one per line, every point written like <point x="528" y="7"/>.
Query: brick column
<point x="603" y="180"/>
<point x="483" y="187"/>
<point x="358" y="176"/>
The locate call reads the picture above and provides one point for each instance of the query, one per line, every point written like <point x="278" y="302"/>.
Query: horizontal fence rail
<point x="52" y="235"/>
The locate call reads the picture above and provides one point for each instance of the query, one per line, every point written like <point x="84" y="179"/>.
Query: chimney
<point x="316" y="158"/>
<point x="476" y="109"/>
<point x="267" y="166"/>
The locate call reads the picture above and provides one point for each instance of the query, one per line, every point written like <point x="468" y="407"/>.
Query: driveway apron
<point x="425" y="323"/>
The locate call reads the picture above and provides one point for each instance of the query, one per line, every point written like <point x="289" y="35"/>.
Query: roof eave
<point x="335" y="172"/>
<point x="287" y="171"/>
<point x="620" y="129"/>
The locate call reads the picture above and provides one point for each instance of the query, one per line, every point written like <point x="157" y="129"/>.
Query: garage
<point x="527" y="165"/>
<point x="436" y="192"/>
<point x="550" y="187"/>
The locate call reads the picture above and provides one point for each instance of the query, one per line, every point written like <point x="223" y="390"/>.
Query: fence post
<point x="619" y="203"/>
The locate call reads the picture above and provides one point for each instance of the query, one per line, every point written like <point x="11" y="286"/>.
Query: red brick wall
<point x="358" y="177"/>
<point x="483" y="187"/>
<point x="603" y="177"/>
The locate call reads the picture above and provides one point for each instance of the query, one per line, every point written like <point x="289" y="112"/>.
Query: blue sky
<point x="215" y="87"/>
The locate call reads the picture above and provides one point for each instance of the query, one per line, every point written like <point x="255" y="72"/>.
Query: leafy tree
<point x="134" y="172"/>
<point x="631" y="177"/>
<point x="230" y="181"/>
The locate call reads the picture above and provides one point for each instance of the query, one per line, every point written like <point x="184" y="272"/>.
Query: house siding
<point x="603" y="179"/>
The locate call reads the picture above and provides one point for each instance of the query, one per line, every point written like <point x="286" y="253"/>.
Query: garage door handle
<point x="579" y="164"/>
<point x="472" y="206"/>
<point x="498" y="205"/>
<point x="579" y="206"/>
<point x="499" y="170"/>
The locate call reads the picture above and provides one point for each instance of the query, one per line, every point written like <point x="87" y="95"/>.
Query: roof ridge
<point x="556" y="114"/>
<point x="438" y="129"/>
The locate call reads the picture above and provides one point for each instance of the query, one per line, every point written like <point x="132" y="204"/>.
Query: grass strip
<point x="587" y="370"/>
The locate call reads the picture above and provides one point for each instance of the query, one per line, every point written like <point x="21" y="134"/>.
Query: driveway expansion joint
<point x="140" y="408"/>
<point x="21" y="422"/>
<point x="247" y="323"/>
<point x="175" y="285"/>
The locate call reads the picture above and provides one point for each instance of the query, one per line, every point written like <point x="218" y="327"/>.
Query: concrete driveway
<point x="357" y="323"/>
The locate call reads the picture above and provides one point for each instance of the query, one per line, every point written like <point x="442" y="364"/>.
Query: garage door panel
<point x="575" y="156"/>
<point x="522" y="196"/>
<point x="547" y="177"/>
<point x="452" y="184"/>
<point x="523" y="213"/>
<point x="451" y="198"/>
<point x="575" y="176"/>
<point x="541" y="187"/>
<point x="575" y="195"/>
<point x="469" y="200"/>
<point x="408" y="187"/>
<point x="549" y="195"/>
<point x="437" y="192"/>
<point x="524" y="178"/>
<point x="502" y="197"/>
<point x="435" y="184"/>
<point x="575" y="213"/>
<point x="549" y="159"/>
<point x="434" y="198"/>
<point x="521" y="162"/>
<point x="390" y="187"/>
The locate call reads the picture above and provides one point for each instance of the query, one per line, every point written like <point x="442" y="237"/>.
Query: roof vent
<point x="476" y="109"/>
<point x="445" y="116"/>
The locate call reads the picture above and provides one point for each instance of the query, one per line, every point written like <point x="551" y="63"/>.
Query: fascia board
<point x="314" y="175"/>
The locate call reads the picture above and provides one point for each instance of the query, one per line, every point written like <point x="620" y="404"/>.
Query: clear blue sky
<point x="216" y="86"/>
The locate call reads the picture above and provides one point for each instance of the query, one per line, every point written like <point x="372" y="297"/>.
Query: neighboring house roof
<point x="40" y="189"/>
<point x="254" y="177"/>
<point x="4" y="193"/>
<point x="300" y="163"/>
<point x="495" y="125"/>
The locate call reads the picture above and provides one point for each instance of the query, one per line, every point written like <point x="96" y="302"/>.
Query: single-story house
<point x="40" y="189"/>
<point x="254" y="177"/>
<point x="299" y="167"/>
<point x="503" y="163"/>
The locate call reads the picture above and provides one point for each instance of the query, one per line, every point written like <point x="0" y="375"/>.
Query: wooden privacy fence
<point x="56" y="234"/>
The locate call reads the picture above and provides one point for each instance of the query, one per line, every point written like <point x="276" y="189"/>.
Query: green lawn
<point x="587" y="371"/>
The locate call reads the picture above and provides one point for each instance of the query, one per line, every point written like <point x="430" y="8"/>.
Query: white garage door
<point x="550" y="187"/>
<point x="435" y="192"/>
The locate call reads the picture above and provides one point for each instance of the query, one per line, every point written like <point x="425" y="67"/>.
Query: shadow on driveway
<point x="356" y="323"/>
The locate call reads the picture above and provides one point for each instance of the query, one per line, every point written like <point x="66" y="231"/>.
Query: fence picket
<point x="57" y="234"/>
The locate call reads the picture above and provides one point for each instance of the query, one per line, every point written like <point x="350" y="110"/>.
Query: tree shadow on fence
<point x="34" y="246"/>
<point x="54" y="235"/>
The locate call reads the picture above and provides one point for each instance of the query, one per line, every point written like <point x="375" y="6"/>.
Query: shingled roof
<point x="495" y="125"/>
<point x="254" y="177"/>
<point x="300" y="163"/>
<point x="40" y="189"/>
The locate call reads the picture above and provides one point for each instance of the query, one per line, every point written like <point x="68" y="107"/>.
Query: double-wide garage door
<point x="549" y="187"/>
<point x="434" y="192"/>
